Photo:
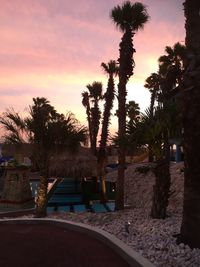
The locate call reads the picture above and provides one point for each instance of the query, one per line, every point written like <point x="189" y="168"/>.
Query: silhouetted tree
<point x="190" y="233"/>
<point x="48" y="131"/>
<point x="111" y="68"/>
<point x="95" y="95"/>
<point x="129" y="18"/>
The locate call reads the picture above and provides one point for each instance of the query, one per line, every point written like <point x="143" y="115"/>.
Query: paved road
<point x="23" y="245"/>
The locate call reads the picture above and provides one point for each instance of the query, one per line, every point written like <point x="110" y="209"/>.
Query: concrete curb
<point x="128" y="254"/>
<point x="16" y="213"/>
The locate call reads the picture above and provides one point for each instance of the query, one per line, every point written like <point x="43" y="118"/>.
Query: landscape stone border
<point x="128" y="254"/>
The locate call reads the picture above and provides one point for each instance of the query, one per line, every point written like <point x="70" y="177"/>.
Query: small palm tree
<point x="49" y="132"/>
<point x="111" y="69"/>
<point x="170" y="71"/>
<point x="152" y="130"/>
<point x="129" y="18"/>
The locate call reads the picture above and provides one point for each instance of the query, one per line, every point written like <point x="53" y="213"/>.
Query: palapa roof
<point x="78" y="165"/>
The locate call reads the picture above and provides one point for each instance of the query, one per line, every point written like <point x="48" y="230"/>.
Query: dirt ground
<point x="26" y="245"/>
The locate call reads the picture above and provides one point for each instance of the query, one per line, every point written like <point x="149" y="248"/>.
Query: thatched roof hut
<point x="79" y="165"/>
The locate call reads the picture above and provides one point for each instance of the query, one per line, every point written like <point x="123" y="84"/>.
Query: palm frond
<point x="129" y="15"/>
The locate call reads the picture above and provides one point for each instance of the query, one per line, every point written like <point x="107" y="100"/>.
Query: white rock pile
<point x="151" y="238"/>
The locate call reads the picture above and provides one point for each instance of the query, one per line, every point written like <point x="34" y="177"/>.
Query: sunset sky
<point x="54" y="48"/>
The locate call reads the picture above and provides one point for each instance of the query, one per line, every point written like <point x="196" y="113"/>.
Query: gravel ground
<point x="150" y="237"/>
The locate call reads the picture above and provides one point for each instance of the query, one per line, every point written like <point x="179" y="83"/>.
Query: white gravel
<point x="150" y="237"/>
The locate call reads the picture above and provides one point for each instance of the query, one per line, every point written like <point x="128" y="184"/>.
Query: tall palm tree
<point x="95" y="95"/>
<point x="111" y="68"/>
<point x="190" y="233"/>
<point x="129" y="18"/>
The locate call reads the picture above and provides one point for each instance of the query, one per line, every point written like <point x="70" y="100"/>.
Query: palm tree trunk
<point x="104" y="136"/>
<point x="190" y="233"/>
<point x="126" y="64"/>
<point x="151" y="108"/>
<point x="121" y="150"/>
<point x="161" y="189"/>
<point x="42" y="197"/>
<point x="95" y="126"/>
<point x="101" y="174"/>
<point x="90" y="128"/>
<point x="43" y="185"/>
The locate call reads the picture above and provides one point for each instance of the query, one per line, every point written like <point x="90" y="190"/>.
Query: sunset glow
<point x="55" y="48"/>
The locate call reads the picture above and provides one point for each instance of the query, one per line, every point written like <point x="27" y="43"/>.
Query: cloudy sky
<point x="54" y="48"/>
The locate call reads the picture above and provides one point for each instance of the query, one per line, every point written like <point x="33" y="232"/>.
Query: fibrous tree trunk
<point x="104" y="136"/>
<point x="126" y="64"/>
<point x="151" y="108"/>
<point x="42" y="197"/>
<point x="88" y="111"/>
<point x="101" y="174"/>
<point x="43" y="162"/>
<point x="161" y="190"/>
<point x="190" y="233"/>
<point x="121" y="149"/>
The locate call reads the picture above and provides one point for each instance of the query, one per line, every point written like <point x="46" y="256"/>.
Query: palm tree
<point x="95" y="95"/>
<point x="133" y="112"/>
<point x="151" y="130"/>
<point x="129" y="18"/>
<point x="133" y="119"/>
<point x="153" y="84"/>
<point x="14" y="127"/>
<point x="49" y="132"/>
<point x="190" y="233"/>
<point x="171" y="67"/>
<point x="160" y="128"/>
<point x="170" y="71"/>
<point x="86" y="104"/>
<point x="111" y="68"/>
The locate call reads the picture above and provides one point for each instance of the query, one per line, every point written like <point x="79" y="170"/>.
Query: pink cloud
<point x="68" y="41"/>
